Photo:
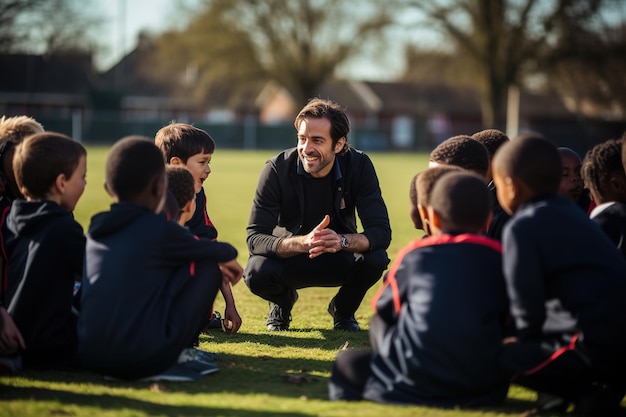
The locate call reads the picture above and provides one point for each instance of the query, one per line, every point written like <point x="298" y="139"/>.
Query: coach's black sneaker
<point x="279" y="317"/>
<point x="348" y="324"/>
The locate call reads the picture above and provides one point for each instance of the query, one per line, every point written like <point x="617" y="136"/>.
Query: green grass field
<point x="254" y="365"/>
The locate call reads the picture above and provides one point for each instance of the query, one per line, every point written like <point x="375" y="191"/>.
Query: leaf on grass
<point x="345" y="346"/>
<point x="298" y="378"/>
<point x="157" y="387"/>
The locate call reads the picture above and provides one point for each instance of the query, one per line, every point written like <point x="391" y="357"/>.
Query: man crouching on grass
<point x="302" y="230"/>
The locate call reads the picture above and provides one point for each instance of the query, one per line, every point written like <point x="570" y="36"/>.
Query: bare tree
<point x="47" y="26"/>
<point x="10" y="11"/>
<point x="299" y="43"/>
<point x="499" y="41"/>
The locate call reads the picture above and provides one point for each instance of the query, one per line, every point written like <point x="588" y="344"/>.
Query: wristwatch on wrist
<point x="344" y="242"/>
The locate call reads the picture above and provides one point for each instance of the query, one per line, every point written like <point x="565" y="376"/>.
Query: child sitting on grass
<point x="566" y="282"/>
<point x="440" y="315"/>
<point x="148" y="283"/>
<point x="181" y="185"/>
<point x="46" y="249"/>
<point x="12" y="131"/>
<point x="189" y="147"/>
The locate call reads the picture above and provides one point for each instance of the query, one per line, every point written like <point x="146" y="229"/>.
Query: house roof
<point x="128" y="76"/>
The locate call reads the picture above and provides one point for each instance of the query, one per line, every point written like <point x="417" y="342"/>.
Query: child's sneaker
<point x="10" y="365"/>
<point x="215" y="322"/>
<point x="191" y="359"/>
<point x="207" y="356"/>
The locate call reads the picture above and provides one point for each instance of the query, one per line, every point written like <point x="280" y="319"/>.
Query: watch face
<point x="344" y="241"/>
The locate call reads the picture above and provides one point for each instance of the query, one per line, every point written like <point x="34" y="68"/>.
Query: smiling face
<point x="315" y="146"/>
<point x="199" y="167"/>
<point x="74" y="186"/>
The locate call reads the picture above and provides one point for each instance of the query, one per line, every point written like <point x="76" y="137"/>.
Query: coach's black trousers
<point x="275" y="279"/>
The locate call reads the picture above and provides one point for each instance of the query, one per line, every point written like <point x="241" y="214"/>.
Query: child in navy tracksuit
<point x="566" y="282"/>
<point x="186" y="146"/>
<point x="440" y="315"/>
<point x="148" y="283"/>
<point x="604" y="176"/>
<point x="46" y="249"/>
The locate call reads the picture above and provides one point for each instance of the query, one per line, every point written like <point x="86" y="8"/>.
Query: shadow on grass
<point x="114" y="402"/>
<point x="330" y="340"/>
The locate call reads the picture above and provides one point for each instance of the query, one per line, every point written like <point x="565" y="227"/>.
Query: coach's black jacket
<point x="278" y="206"/>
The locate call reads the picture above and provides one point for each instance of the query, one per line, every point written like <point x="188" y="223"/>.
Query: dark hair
<point x="131" y="165"/>
<point x="491" y="139"/>
<point x="532" y="159"/>
<point x="318" y="108"/>
<point x="41" y="158"/>
<point x="171" y="208"/>
<point x="564" y="151"/>
<point x="462" y="201"/>
<point x="600" y="163"/>
<point x="413" y="189"/>
<point x="183" y="140"/>
<point x="464" y="152"/>
<point x="427" y="180"/>
<point x="180" y="184"/>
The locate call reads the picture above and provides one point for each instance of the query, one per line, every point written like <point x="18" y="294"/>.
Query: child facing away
<point x="605" y="178"/>
<point x="424" y="184"/>
<point x="420" y="194"/>
<point x="461" y="151"/>
<point x="439" y="325"/>
<point x="566" y="282"/>
<point x="12" y="131"/>
<point x="187" y="146"/>
<point x="46" y="249"/>
<point x="148" y="282"/>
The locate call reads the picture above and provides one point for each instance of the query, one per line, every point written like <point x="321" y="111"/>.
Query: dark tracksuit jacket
<point x="46" y="255"/>
<point x="143" y="298"/>
<point x="612" y="219"/>
<point x="444" y="302"/>
<point x="278" y="206"/>
<point x="500" y="217"/>
<point x="565" y="278"/>
<point x="5" y="206"/>
<point x="200" y="224"/>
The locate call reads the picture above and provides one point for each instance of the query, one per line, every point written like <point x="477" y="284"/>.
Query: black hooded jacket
<point x="132" y="256"/>
<point x="46" y="253"/>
